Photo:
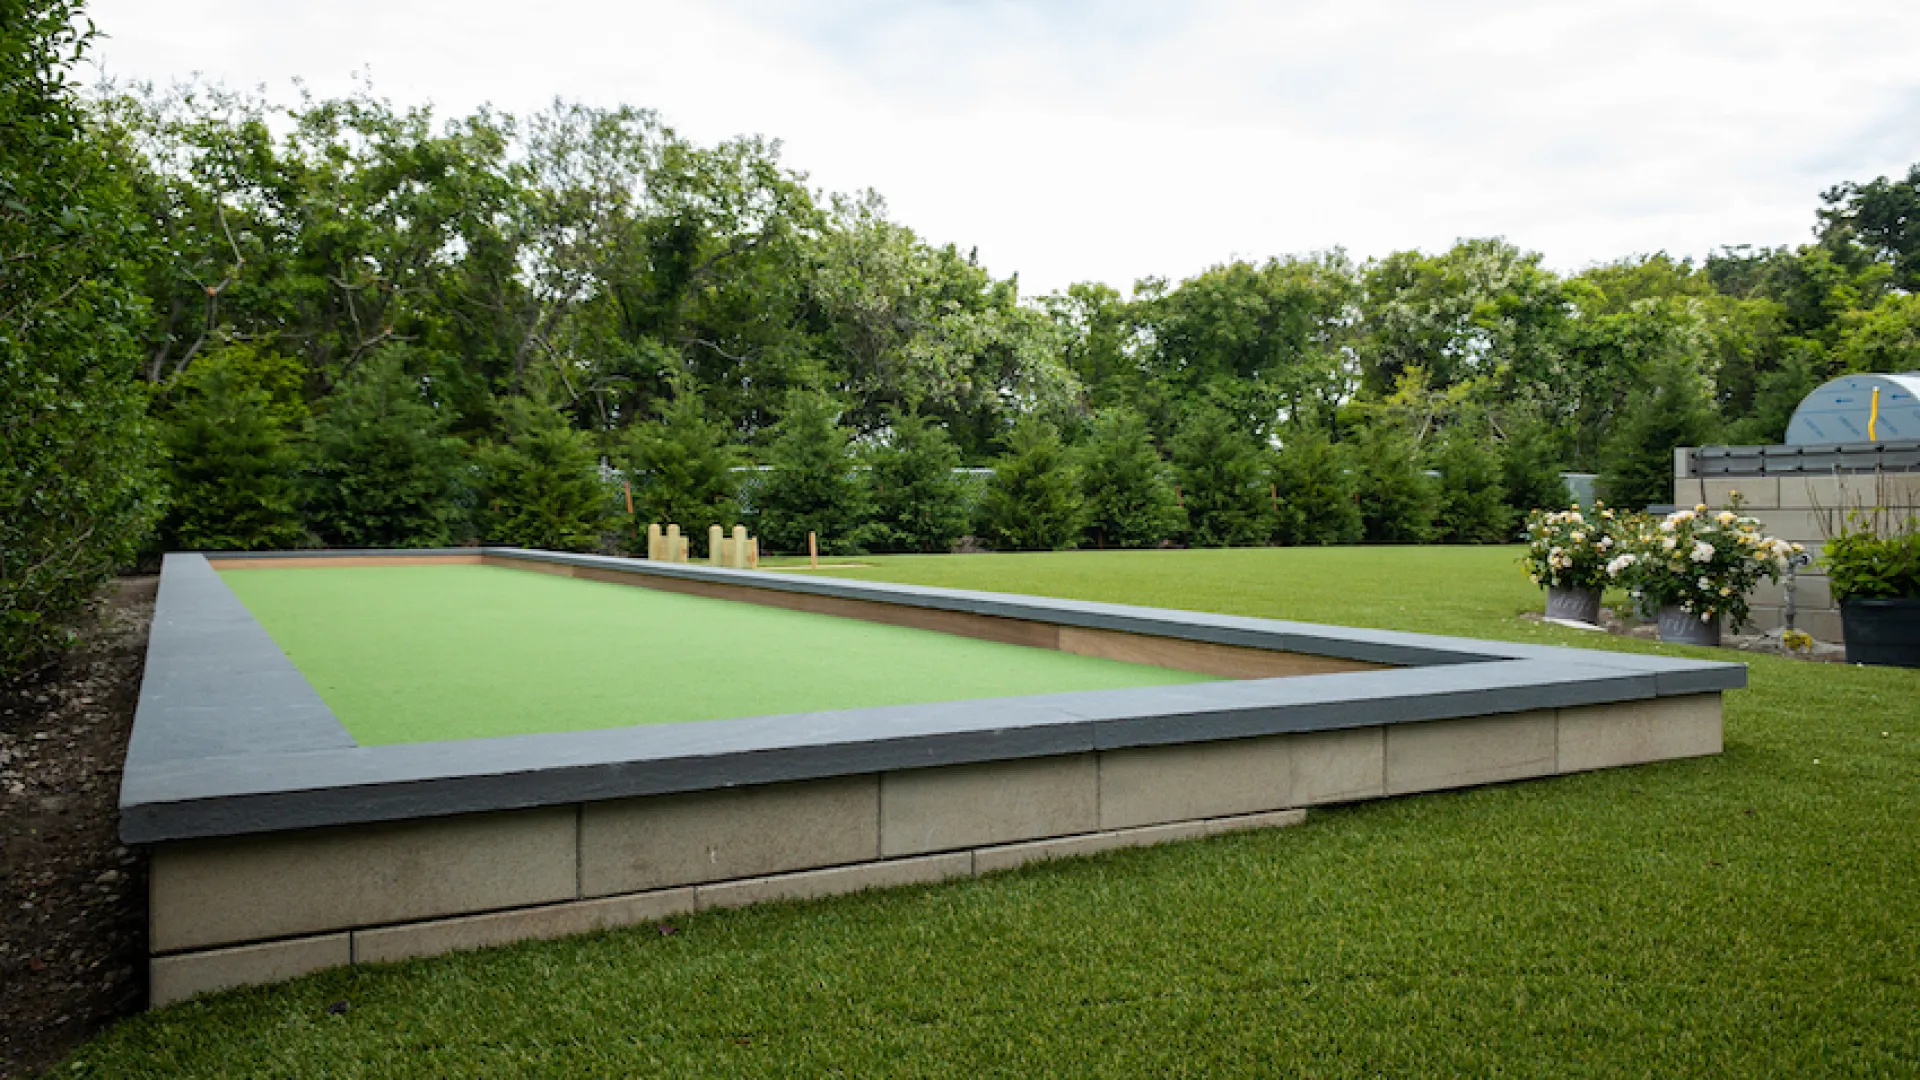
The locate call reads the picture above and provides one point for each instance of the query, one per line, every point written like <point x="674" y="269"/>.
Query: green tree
<point x="1269" y="343"/>
<point x="919" y="504"/>
<point x="381" y="471"/>
<point x="811" y="486"/>
<point x="542" y="487"/>
<point x="1472" y="506"/>
<point x="1671" y="410"/>
<point x="78" y="484"/>
<point x="1315" y="482"/>
<point x="1883" y="216"/>
<point x="1398" y="500"/>
<point x="229" y="465"/>
<point x="1126" y="488"/>
<point x="681" y="468"/>
<point x="1033" y="501"/>
<point x="1530" y="469"/>
<point x="1221" y="470"/>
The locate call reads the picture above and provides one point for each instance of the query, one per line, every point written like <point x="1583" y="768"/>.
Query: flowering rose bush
<point x="1702" y="561"/>
<point x="1567" y="549"/>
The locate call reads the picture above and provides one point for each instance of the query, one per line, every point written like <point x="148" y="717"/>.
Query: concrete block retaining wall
<point x="1805" y="509"/>
<point x="255" y="908"/>
<point x="279" y="846"/>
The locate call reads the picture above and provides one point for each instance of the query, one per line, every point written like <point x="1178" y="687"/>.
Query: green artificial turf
<point x="1752" y="914"/>
<point x="431" y="653"/>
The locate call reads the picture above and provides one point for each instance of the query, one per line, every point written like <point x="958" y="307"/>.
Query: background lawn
<point x="1755" y="914"/>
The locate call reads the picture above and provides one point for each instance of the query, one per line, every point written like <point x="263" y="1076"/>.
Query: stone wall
<point x="1806" y="509"/>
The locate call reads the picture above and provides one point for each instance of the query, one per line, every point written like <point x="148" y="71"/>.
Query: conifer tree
<point x="381" y="470"/>
<point x="811" y="486"/>
<point x="918" y="502"/>
<point x="1126" y="487"/>
<point x="1221" y="469"/>
<point x="1033" y="501"/>
<point x="1669" y="410"/>
<point x="542" y="488"/>
<point x="1472" y="506"/>
<point x="1398" y="499"/>
<point x="1313" y="477"/>
<point x="230" y="467"/>
<point x="681" y="468"/>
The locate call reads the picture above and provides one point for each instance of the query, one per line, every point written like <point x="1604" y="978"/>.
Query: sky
<point x="1080" y="140"/>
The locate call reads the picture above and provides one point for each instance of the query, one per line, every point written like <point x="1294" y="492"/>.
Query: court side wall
<point x="259" y="908"/>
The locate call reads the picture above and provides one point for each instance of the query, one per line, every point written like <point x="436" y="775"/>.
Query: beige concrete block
<point x="1762" y="618"/>
<point x="813" y="884"/>
<point x="1688" y="491"/>
<point x="1809" y="527"/>
<point x="1441" y="754"/>
<point x="1636" y="732"/>
<point x="1829" y="492"/>
<point x="634" y="845"/>
<point x="1822" y="623"/>
<point x="247" y="888"/>
<point x="1809" y="591"/>
<point x="1148" y="785"/>
<point x="385" y="944"/>
<point x="1339" y="766"/>
<point x="997" y="802"/>
<point x="177" y="978"/>
<point x="991" y="860"/>
<point x="1756" y="492"/>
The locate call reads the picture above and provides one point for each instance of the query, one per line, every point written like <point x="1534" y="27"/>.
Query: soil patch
<point x="73" y="907"/>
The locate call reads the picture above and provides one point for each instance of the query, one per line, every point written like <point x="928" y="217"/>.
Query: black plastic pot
<point x="1883" y="632"/>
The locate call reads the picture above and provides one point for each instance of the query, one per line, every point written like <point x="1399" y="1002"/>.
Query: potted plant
<point x="1696" y="567"/>
<point x="1567" y="551"/>
<point x="1874" y="570"/>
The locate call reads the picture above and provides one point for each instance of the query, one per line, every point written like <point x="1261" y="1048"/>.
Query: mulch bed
<point x="73" y="900"/>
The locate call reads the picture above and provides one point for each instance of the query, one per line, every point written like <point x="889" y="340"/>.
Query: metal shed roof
<point x="1844" y="411"/>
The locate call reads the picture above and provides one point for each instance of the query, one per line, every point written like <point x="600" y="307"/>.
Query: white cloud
<point x="1087" y="140"/>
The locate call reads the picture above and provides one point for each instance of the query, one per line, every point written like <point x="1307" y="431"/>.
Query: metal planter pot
<point x="1681" y="627"/>
<point x="1883" y="632"/>
<point x="1574" y="605"/>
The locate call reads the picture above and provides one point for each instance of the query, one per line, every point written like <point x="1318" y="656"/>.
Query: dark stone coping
<point x="230" y="739"/>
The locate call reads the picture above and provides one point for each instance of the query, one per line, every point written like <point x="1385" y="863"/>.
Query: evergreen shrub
<point x="381" y="472"/>
<point x="541" y="488"/>
<point x="919" y="503"/>
<point x="1126" y="488"/>
<point x="681" y="471"/>
<point x="231" y="468"/>
<point x="811" y="485"/>
<point x="1032" y="503"/>
<point x="1221" y="470"/>
<point x="1317" y="492"/>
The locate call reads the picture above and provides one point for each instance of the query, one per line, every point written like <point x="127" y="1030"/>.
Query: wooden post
<point x="737" y="551"/>
<point x="654" y="548"/>
<point x="676" y="546"/>
<point x="813" y="551"/>
<point x="713" y="546"/>
<point x="753" y="553"/>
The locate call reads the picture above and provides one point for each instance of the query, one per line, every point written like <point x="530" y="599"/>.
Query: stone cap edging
<point x="230" y="739"/>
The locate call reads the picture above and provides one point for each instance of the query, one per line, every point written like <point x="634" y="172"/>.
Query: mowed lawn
<point x="1756" y="914"/>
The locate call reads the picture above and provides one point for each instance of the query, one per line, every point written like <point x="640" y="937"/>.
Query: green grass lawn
<point x="427" y="653"/>
<point x="1756" y="914"/>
